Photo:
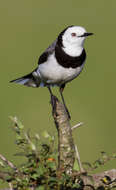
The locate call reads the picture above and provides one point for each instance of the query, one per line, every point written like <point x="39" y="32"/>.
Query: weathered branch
<point x="4" y="175"/>
<point x="77" y="125"/>
<point x="10" y="164"/>
<point x="100" y="180"/>
<point x="78" y="159"/>
<point x="66" y="148"/>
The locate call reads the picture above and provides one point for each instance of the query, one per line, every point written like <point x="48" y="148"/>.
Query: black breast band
<point x="68" y="61"/>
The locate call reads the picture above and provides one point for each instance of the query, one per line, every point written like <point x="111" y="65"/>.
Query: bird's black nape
<point x="59" y="42"/>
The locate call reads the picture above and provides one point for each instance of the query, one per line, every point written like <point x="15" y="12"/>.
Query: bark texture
<point x="66" y="146"/>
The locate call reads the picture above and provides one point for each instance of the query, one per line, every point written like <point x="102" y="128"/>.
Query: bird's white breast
<point x="53" y="73"/>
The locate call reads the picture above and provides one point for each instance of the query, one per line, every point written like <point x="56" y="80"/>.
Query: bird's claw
<point x="53" y="103"/>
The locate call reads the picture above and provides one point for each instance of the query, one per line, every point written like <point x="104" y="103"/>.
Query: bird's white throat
<point x="73" y="50"/>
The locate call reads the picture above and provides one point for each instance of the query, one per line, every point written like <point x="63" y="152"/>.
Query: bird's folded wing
<point x="47" y="52"/>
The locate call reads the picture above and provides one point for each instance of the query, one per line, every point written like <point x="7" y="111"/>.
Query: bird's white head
<point x="73" y="38"/>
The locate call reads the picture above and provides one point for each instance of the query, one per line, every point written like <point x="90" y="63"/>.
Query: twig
<point x="3" y="175"/>
<point x="10" y="186"/>
<point x="78" y="159"/>
<point x="77" y="125"/>
<point x="7" y="162"/>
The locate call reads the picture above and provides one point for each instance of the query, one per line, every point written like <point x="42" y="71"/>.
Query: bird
<point x="60" y="63"/>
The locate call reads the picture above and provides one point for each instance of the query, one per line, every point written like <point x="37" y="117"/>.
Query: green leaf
<point x="53" y="181"/>
<point x="17" y="122"/>
<point x="32" y="146"/>
<point x="104" y="155"/>
<point x="41" y="170"/>
<point x="41" y="187"/>
<point x="46" y="134"/>
<point x="51" y="165"/>
<point x="114" y="155"/>
<point x="88" y="165"/>
<point x="76" y="166"/>
<point x="34" y="176"/>
<point x="2" y="164"/>
<point x="98" y="163"/>
<point x="37" y="136"/>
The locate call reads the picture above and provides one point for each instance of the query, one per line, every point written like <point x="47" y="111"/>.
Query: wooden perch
<point x="66" y="148"/>
<point x="99" y="181"/>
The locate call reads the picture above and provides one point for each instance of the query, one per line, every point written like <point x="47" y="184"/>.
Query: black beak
<point x="86" y="34"/>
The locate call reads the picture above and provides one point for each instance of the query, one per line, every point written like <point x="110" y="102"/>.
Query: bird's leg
<point x="61" y="93"/>
<point x="53" y="100"/>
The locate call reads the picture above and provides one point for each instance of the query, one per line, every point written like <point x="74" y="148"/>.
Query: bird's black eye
<point x="73" y="34"/>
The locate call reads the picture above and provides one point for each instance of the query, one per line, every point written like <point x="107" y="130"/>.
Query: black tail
<point x="31" y="80"/>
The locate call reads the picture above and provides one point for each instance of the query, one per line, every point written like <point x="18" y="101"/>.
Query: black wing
<point x="43" y="58"/>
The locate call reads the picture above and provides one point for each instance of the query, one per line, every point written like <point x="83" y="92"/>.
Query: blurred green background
<point x="26" y="29"/>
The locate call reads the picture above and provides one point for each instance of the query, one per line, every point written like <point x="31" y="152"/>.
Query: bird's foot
<point x="53" y="103"/>
<point x="54" y="99"/>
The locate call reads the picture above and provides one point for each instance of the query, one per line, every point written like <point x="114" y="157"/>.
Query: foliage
<point x="104" y="158"/>
<point x="39" y="171"/>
